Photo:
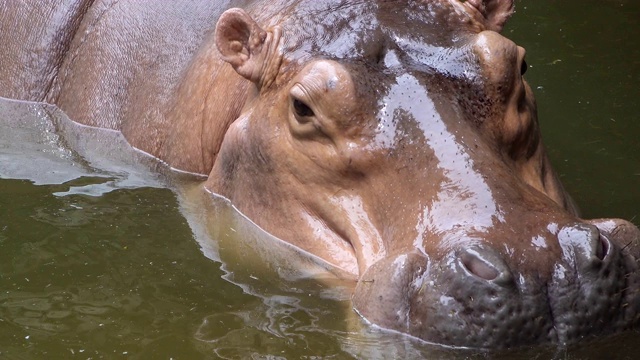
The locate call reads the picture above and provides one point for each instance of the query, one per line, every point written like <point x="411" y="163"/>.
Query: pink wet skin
<point x="397" y="141"/>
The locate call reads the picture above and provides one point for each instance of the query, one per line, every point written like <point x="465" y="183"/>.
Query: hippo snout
<point x="595" y="287"/>
<point x="480" y="296"/>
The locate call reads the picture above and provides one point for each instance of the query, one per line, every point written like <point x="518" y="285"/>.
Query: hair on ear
<point x="495" y="12"/>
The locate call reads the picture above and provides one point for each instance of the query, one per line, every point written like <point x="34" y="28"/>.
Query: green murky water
<point x="585" y="71"/>
<point x="112" y="264"/>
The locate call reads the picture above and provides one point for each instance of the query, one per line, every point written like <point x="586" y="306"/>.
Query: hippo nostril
<point x="487" y="265"/>
<point x="602" y="248"/>
<point x="585" y="244"/>
<point x="479" y="267"/>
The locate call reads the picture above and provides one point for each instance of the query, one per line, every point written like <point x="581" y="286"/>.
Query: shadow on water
<point x="98" y="258"/>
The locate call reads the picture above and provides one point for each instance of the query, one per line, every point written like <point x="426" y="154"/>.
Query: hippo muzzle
<point x="473" y="297"/>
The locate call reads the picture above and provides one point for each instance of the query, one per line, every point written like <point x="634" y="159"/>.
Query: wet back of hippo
<point x="120" y="65"/>
<point x="396" y="140"/>
<point x="47" y="44"/>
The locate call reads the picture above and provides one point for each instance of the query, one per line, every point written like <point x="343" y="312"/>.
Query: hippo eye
<point x="302" y="109"/>
<point x="523" y="67"/>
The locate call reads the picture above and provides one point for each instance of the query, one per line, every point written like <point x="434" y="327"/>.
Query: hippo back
<point x="31" y="55"/>
<point x="62" y="49"/>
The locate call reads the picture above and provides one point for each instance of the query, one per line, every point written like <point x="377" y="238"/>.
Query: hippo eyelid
<point x="300" y="104"/>
<point x="304" y="122"/>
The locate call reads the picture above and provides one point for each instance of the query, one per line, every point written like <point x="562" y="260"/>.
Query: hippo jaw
<point x="427" y="180"/>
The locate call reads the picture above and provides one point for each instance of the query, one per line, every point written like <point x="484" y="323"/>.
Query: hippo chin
<point x="398" y="141"/>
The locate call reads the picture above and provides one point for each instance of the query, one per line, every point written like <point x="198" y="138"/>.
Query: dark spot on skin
<point x="380" y="56"/>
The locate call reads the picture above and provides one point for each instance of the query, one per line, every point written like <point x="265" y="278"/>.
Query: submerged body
<point x="398" y="141"/>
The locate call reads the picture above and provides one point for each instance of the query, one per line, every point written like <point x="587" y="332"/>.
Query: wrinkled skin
<point x="396" y="140"/>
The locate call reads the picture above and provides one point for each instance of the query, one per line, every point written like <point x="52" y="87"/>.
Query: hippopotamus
<point x="396" y="140"/>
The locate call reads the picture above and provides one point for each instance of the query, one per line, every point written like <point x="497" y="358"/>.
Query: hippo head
<point x="398" y="141"/>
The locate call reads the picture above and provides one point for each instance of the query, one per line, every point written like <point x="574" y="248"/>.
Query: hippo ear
<point x="241" y="42"/>
<point x="495" y="12"/>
